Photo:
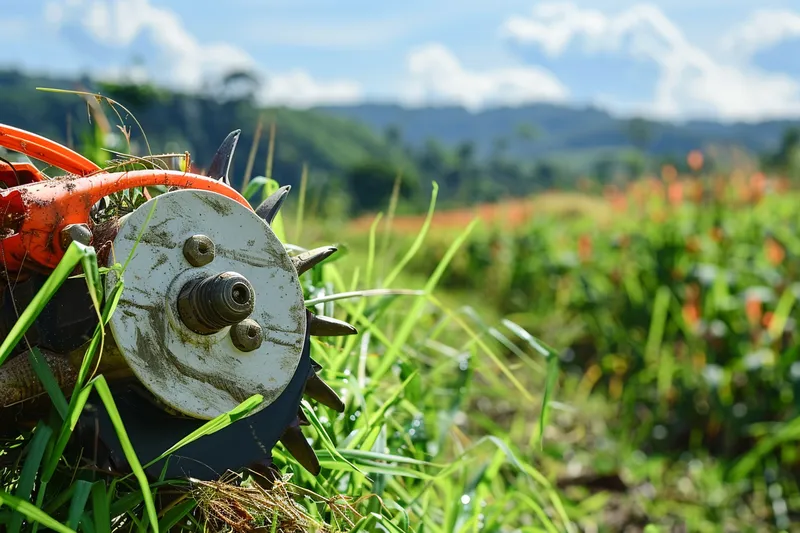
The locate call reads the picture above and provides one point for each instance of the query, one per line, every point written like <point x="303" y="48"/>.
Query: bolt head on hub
<point x="76" y="232"/>
<point x="247" y="335"/>
<point x="198" y="250"/>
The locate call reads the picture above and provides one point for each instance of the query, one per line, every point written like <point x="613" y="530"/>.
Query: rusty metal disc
<point x="203" y="375"/>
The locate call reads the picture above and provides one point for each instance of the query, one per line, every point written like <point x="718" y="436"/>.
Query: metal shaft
<point x="210" y="304"/>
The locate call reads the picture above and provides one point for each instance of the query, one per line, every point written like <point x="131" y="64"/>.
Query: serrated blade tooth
<point x="221" y="164"/>
<point x="321" y="392"/>
<point x="307" y="260"/>
<point x="270" y="207"/>
<point x="302" y="419"/>
<point x="325" y="326"/>
<point x="296" y="444"/>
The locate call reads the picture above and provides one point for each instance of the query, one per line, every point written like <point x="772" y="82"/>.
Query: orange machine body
<point x="34" y="209"/>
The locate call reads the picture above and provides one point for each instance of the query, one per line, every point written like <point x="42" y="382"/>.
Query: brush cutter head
<point x="211" y="311"/>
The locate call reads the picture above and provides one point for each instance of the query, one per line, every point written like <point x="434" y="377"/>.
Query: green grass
<point x="663" y="421"/>
<point x="403" y="457"/>
<point x="461" y="418"/>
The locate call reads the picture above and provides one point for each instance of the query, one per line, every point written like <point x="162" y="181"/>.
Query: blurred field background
<point x="660" y="262"/>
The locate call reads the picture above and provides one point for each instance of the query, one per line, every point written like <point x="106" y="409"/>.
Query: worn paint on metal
<point x="204" y="376"/>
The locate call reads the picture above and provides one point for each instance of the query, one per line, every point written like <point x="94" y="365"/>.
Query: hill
<point x="544" y="129"/>
<point x="332" y="147"/>
<point x="355" y="153"/>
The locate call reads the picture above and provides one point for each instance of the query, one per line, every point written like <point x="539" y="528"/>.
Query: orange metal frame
<point x="34" y="209"/>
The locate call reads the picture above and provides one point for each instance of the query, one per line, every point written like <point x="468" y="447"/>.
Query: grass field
<point x="565" y="363"/>
<point x="673" y="304"/>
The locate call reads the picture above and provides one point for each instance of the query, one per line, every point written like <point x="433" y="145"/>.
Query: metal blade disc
<point x="151" y="431"/>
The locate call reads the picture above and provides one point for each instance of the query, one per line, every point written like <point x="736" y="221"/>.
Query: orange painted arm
<point x="45" y="150"/>
<point x="36" y="213"/>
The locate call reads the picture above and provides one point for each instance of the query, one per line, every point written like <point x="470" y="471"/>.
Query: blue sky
<point x="724" y="59"/>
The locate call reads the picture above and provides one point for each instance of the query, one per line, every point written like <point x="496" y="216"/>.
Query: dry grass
<point x="248" y="507"/>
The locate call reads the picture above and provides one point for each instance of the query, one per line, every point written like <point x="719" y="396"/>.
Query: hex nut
<point x="247" y="335"/>
<point x="198" y="250"/>
<point x="79" y="233"/>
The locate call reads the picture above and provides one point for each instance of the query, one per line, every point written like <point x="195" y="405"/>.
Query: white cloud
<point x="764" y="29"/>
<point x="297" y="88"/>
<point x="182" y="60"/>
<point x="436" y="74"/>
<point x="692" y="81"/>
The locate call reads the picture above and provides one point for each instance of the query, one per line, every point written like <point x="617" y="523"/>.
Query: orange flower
<point x="774" y="251"/>
<point x="585" y="247"/>
<point x="669" y="173"/>
<point x="767" y="320"/>
<point x="695" y="160"/>
<point x="675" y="192"/>
<point x="752" y="308"/>
<point x="758" y="185"/>
<point x="691" y="313"/>
<point x="619" y="203"/>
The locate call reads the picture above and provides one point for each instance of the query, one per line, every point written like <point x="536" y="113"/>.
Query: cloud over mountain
<point x="685" y="78"/>
<point x="436" y="75"/>
<point x="173" y="55"/>
<point x="673" y="63"/>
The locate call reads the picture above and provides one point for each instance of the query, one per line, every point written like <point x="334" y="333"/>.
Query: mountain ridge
<point x="559" y="128"/>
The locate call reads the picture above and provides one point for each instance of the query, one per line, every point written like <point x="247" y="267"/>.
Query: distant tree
<point x="432" y="159"/>
<point x="636" y="164"/>
<point x="135" y="96"/>
<point x="640" y="132"/>
<point x="240" y="84"/>
<point x="786" y="159"/>
<point x="500" y="146"/>
<point x="370" y="184"/>
<point x="545" y="175"/>
<point x="604" y="168"/>
<point x="393" y="136"/>
<point x="465" y="153"/>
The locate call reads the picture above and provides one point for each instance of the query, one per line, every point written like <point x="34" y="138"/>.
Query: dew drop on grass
<point x="465" y="499"/>
<point x="794" y="371"/>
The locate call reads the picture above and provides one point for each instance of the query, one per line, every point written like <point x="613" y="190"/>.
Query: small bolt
<point x="79" y="233"/>
<point x="247" y="335"/>
<point x="198" y="250"/>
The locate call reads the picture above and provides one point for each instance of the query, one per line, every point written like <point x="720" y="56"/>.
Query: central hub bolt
<point x="208" y="305"/>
